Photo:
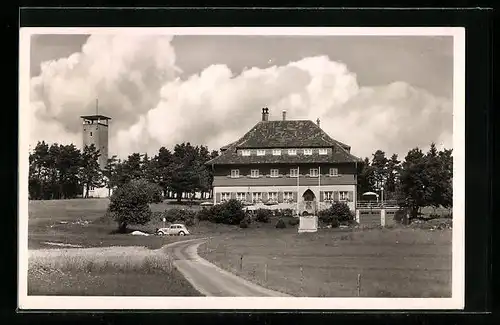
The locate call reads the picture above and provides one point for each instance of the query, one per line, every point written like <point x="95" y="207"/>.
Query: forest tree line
<point x="420" y="180"/>
<point x="63" y="171"/>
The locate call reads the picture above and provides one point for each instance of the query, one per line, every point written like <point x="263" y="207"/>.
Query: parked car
<point x="176" y="229"/>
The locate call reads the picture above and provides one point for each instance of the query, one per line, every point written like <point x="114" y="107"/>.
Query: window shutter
<point x="249" y="197"/>
<point x="233" y="195"/>
<point x="336" y="196"/>
<point x="264" y="196"/>
<point x="280" y="197"/>
<point x="350" y="195"/>
<point x="217" y="197"/>
<point x="321" y="196"/>
<point x="295" y="196"/>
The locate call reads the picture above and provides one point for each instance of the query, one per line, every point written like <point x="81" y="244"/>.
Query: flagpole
<point x="298" y="176"/>
<point x="319" y="185"/>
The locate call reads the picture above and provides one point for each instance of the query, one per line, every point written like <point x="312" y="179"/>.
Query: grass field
<point x="103" y="266"/>
<point x="400" y="262"/>
<point x="114" y="271"/>
<point x="80" y="222"/>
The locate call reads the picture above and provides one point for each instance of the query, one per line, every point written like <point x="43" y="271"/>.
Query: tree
<point x="366" y="178"/>
<point x="90" y="172"/>
<point x="413" y="190"/>
<point x="184" y="170"/>
<point x="67" y="164"/>
<point x="393" y="170"/>
<point x="110" y="173"/>
<point x="129" y="204"/>
<point x="379" y="165"/>
<point x="164" y="169"/>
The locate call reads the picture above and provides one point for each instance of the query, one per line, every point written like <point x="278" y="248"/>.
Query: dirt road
<point x="209" y="279"/>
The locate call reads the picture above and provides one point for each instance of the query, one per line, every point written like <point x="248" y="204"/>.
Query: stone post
<point x="382" y="217"/>
<point x="357" y="216"/>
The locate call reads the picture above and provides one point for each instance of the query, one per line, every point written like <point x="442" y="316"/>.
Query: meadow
<point x="100" y="261"/>
<point x="397" y="262"/>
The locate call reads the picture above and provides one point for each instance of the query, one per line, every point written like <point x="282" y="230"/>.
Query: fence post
<point x="359" y="284"/>
<point x="382" y="217"/>
<point x="357" y="216"/>
<point x="301" y="280"/>
<point x="241" y="262"/>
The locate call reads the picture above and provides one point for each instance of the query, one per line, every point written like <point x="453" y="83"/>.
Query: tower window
<point x="90" y="133"/>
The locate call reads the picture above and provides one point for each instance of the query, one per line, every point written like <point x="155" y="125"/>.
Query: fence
<point x="391" y="204"/>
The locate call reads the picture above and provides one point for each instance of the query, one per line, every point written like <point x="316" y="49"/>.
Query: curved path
<point x="209" y="279"/>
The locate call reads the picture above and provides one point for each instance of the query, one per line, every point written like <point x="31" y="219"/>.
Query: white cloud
<point x="136" y="81"/>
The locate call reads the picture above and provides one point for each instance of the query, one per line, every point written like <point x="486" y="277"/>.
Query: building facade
<point x="286" y="164"/>
<point x="95" y="130"/>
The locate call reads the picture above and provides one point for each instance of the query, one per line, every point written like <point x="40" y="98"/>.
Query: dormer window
<point x="334" y="172"/>
<point x="323" y="151"/>
<point x="235" y="173"/>
<point x="254" y="173"/>
<point x="261" y="152"/>
<point x="308" y="152"/>
<point x="292" y="152"/>
<point x="245" y="152"/>
<point x="276" y="152"/>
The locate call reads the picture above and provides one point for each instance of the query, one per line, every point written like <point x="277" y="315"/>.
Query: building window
<point x="261" y="152"/>
<point x="288" y="196"/>
<point x="334" y="172"/>
<point x="292" y="152"/>
<point x="323" y="151"/>
<point x="328" y="196"/>
<point x="274" y="172"/>
<point x="276" y="152"/>
<point x="313" y="172"/>
<point x="256" y="197"/>
<point x="254" y="173"/>
<point x="343" y="196"/>
<point x="245" y="152"/>
<point x="294" y="172"/>
<point x="235" y="173"/>
<point x="273" y="196"/>
<point x="240" y="196"/>
<point x="308" y="152"/>
<point x="225" y="196"/>
<point x="90" y="133"/>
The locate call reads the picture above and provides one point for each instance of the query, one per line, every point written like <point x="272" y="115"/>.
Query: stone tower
<point x="95" y="131"/>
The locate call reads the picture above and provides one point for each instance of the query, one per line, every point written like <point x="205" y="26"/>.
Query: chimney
<point x="317" y="121"/>
<point x="284" y="115"/>
<point x="265" y="114"/>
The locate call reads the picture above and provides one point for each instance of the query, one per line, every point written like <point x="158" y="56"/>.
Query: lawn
<point x="81" y="222"/>
<point x="399" y="262"/>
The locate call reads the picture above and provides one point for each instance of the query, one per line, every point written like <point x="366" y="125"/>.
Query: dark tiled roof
<point x="284" y="134"/>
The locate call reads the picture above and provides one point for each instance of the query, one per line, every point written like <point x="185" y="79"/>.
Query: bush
<point x="263" y="215"/>
<point x="180" y="215"/>
<point x="204" y="214"/>
<point x="230" y="212"/>
<point x="335" y="223"/>
<point x="280" y="224"/>
<point x="129" y="204"/>
<point x="294" y="221"/>
<point x="336" y="213"/>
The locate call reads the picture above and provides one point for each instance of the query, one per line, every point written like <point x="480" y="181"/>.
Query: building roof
<point x="284" y="134"/>
<point x="95" y="117"/>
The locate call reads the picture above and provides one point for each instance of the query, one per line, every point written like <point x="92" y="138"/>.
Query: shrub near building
<point x="337" y="213"/>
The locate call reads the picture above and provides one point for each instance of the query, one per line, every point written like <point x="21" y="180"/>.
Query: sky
<point x="371" y="92"/>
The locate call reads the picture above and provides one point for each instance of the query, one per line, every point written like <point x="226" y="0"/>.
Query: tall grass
<point x="112" y="259"/>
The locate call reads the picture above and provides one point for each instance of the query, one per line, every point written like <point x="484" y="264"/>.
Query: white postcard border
<point x="457" y="300"/>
